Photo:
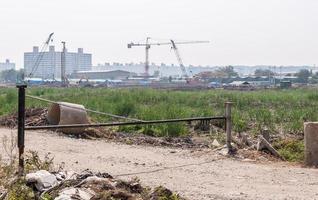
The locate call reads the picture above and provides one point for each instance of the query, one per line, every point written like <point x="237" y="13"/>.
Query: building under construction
<point x="50" y="65"/>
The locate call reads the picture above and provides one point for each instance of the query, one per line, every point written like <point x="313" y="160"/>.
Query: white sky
<point x="280" y="32"/>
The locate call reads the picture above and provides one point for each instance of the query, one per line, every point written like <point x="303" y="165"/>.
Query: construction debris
<point x="74" y="193"/>
<point x="3" y="193"/>
<point x="264" y="144"/>
<point x="62" y="113"/>
<point x="92" y="186"/>
<point x="33" y="117"/>
<point x="42" y="180"/>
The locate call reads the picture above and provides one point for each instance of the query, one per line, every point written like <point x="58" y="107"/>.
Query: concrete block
<point x="311" y="143"/>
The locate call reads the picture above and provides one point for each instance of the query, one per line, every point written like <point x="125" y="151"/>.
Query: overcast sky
<point x="250" y="32"/>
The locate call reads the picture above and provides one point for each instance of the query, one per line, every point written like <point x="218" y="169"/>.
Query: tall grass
<point x="284" y="110"/>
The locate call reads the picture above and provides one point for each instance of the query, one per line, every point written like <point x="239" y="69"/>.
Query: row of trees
<point x="11" y="75"/>
<point x="303" y="76"/>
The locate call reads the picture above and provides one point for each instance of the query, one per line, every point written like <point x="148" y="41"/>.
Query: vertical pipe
<point x="21" y="124"/>
<point x="228" y="125"/>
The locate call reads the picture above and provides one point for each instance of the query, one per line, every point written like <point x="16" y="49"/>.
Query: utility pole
<point x="63" y="63"/>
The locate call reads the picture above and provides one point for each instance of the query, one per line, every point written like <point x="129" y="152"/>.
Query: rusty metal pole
<point x="21" y="125"/>
<point x="228" y="125"/>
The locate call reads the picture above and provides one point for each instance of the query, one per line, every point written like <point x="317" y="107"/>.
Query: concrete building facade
<point x="7" y="65"/>
<point x="50" y="64"/>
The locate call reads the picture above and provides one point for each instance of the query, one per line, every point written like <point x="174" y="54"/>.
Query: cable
<point x="85" y="109"/>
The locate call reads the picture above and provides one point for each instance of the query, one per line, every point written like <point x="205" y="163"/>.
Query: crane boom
<point x="40" y="56"/>
<point x="130" y="45"/>
<point x="176" y="51"/>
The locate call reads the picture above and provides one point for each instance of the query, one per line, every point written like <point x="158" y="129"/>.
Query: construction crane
<point x="183" y="69"/>
<point x="147" y="46"/>
<point x="40" y="55"/>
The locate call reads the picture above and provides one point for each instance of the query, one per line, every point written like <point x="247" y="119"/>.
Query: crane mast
<point x="63" y="65"/>
<point x="147" y="57"/>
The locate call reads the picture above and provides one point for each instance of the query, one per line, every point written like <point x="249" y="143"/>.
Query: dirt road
<point x="196" y="175"/>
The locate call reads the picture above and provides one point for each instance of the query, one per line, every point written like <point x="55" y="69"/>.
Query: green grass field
<point x="282" y="111"/>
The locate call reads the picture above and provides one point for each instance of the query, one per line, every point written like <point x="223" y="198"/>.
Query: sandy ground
<point x="194" y="174"/>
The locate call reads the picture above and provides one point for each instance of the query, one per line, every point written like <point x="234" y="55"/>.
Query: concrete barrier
<point x="311" y="143"/>
<point x="63" y="113"/>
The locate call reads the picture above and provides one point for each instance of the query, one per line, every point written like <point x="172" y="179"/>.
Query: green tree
<point x="227" y="71"/>
<point x="11" y="75"/>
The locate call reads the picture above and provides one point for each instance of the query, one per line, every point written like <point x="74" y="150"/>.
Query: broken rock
<point x="75" y="193"/>
<point x="215" y="143"/>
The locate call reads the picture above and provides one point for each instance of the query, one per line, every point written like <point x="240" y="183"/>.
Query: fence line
<point x="124" y="123"/>
<point x="22" y="127"/>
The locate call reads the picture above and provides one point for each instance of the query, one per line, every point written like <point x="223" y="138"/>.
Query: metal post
<point x="21" y="124"/>
<point x="228" y="125"/>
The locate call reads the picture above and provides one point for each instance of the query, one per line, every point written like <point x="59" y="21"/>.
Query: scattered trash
<point x="89" y="186"/>
<point x="75" y="193"/>
<point x="42" y="180"/>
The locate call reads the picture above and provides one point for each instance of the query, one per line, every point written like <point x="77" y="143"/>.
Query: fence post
<point x="21" y="125"/>
<point x="228" y="125"/>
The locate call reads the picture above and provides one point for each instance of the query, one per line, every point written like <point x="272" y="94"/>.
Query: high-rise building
<point x="6" y="65"/>
<point x="50" y="64"/>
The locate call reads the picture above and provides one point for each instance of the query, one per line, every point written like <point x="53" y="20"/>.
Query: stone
<point x="311" y="143"/>
<point x="215" y="143"/>
<point x="42" y="180"/>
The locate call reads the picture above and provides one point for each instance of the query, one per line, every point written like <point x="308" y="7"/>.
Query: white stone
<point x="215" y="143"/>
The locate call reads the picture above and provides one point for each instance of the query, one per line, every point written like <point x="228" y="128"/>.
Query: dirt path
<point x="196" y="175"/>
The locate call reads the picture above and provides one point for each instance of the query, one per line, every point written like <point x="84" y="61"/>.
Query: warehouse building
<point x="104" y="74"/>
<point x="50" y="65"/>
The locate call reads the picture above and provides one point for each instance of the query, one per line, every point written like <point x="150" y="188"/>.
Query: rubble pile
<point x="33" y="117"/>
<point x="92" y="186"/>
<point x="138" y="139"/>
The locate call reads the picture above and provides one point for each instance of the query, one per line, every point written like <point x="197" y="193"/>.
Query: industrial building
<point x="50" y="65"/>
<point x="7" y="65"/>
<point x="104" y="74"/>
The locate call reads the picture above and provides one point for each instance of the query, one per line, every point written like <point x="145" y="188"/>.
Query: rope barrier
<point x="88" y="110"/>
